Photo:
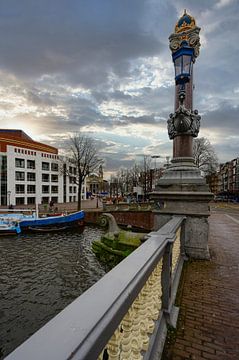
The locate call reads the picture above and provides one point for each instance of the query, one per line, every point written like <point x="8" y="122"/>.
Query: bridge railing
<point x="125" y="314"/>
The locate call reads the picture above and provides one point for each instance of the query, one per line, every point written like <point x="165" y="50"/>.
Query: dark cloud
<point x="82" y="40"/>
<point x="106" y="65"/>
<point x="223" y="119"/>
<point x="39" y="99"/>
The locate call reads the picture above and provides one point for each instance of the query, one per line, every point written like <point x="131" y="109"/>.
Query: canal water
<point x="40" y="274"/>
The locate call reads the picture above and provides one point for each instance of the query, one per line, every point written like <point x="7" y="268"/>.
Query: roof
<point x="21" y="139"/>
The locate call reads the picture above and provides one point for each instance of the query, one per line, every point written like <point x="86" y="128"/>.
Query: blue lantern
<point x="183" y="59"/>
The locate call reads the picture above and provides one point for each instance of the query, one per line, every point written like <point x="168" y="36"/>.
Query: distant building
<point x="95" y="184"/>
<point x="226" y="180"/>
<point x="30" y="172"/>
<point x="214" y="182"/>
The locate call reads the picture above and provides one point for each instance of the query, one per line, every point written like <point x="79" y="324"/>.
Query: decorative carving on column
<point x="183" y="122"/>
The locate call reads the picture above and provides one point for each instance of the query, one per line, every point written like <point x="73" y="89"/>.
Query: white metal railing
<point x="125" y="314"/>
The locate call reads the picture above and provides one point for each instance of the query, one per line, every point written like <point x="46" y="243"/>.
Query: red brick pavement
<point x="208" y="324"/>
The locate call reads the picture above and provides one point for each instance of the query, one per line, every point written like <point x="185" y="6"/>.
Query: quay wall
<point x="138" y="219"/>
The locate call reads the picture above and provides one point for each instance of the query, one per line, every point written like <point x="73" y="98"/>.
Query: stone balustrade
<point x="125" y="314"/>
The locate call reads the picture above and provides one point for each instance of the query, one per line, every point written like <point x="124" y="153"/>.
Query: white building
<point x="30" y="172"/>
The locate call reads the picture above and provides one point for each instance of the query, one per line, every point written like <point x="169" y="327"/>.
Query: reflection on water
<point x="39" y="275"/>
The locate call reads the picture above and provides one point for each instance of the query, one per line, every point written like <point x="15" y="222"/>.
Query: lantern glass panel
<point x="177" y="65"/>
<point x="186" y="64"/>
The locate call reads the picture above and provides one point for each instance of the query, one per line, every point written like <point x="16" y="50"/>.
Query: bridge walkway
<point x="208" y="324"/>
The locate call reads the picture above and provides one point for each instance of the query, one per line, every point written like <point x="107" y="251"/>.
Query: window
<point x="45" y="200"/>
<point x="45" y="177"/>
<point x="31" y="176"/>
<point x="54" y="178"/>
<point x="31" y="200"/>
<point x="31" y="164"/>
<point x="45" y="189"/>
<point x="20" y="175"/>
<point x="54" y="167"/>
<point x="31" y="189"/>
<point x="72" y="179"/>
<point x="20" y="163"/>
<point x="45" y="166"/>
<point x="20" y="201"/>
<point x="54" y="199"/>
<point x="74" y="189"/>
<point x="54" y="189"/>
<point x="70" y="189"/>
<point x="20" y="188"/>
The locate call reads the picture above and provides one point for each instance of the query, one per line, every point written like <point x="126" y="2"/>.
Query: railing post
<point x="169" y="311"/>
<point x="167" y="276"/>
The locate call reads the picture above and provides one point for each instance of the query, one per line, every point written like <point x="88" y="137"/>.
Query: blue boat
<point x="9" y="227"/>
<point x="15" y="223"/>
<point x="53" y="223"/>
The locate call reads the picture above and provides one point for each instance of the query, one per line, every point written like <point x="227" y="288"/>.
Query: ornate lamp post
<point x="184" y="124"/>
<point x="182" y="190"/>
<point x="155" y="157"/>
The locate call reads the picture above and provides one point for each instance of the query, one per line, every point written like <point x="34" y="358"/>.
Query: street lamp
<point x="155" y="167"/>
<point x="183" y="59"/>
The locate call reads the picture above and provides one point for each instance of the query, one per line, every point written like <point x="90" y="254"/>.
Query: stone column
<point x="182" y="190"/>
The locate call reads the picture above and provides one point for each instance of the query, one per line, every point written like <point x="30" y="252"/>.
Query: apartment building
<point x="226" y="180"/>
<point x="30" y="172"/>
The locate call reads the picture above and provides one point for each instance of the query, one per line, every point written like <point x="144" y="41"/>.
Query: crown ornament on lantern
<point x="186" y="22"/>
<point x="186" y="33"/>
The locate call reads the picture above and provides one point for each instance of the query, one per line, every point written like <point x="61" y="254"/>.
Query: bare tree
<point x="82" y="155"/>
<point x="204" y="156"/>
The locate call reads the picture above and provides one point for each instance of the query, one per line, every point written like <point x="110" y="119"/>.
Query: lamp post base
<point x="183" y="191"/>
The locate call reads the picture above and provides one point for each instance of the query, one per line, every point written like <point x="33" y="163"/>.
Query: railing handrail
<point x="82" y="329"/>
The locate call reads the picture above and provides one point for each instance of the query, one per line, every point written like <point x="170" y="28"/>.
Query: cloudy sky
<point x="104" y="67"/>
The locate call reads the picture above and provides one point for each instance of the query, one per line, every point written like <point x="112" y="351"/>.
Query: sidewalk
<point x="208" y="324"/>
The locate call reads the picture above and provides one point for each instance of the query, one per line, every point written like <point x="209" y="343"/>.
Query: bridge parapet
<point x="125" y="314"/>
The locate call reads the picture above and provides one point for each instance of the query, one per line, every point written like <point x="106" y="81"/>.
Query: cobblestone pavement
<point x="208" y="324"/>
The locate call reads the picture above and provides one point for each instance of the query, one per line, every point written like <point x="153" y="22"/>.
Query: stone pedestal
<point x="183" y="191"/>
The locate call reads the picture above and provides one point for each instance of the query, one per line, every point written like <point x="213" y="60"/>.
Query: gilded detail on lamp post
<point x="186" y="32"/>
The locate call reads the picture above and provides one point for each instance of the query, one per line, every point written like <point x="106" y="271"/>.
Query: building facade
<point x="30" y="172"/>
<point x="226" y="180"/>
